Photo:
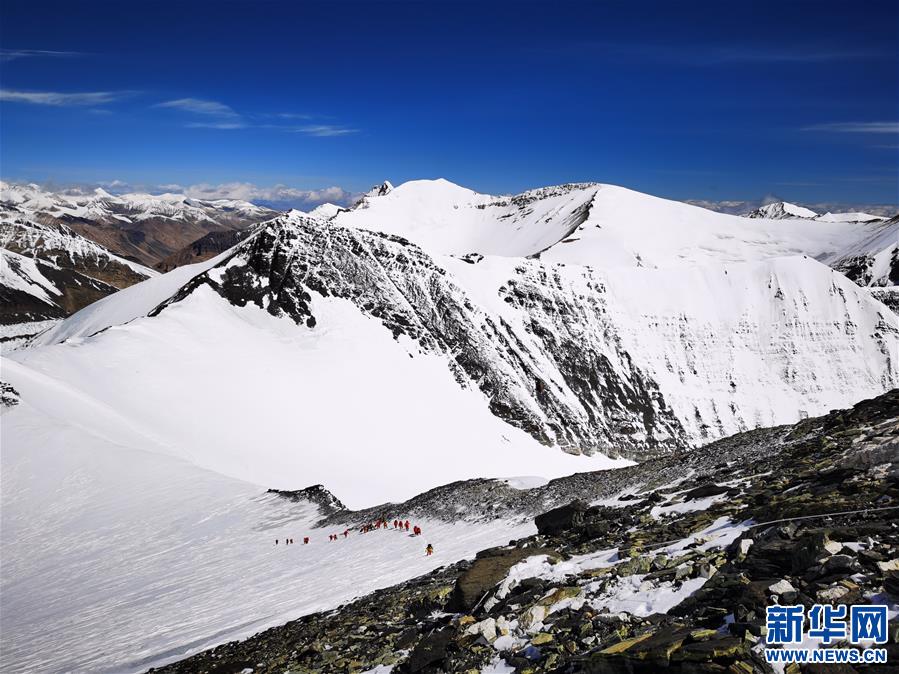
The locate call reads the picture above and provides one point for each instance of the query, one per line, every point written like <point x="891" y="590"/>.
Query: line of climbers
<point x="365" y="528"/>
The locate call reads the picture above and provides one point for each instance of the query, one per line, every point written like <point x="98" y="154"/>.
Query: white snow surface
<point x="326" y="211"/>
<point x="849" y="217"/>
<point x="118" y="558"/>
<point x="600" y="225"/>
<point x="278" y="418"/>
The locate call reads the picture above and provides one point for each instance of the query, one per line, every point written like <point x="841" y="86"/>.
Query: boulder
<point x="488" y="569"/>
<point x="559" y="520"/>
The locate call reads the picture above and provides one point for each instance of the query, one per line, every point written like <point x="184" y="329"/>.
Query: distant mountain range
<point x="143" y="227"/>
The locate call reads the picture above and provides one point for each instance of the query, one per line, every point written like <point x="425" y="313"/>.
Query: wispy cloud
<point x="713" y="54"/>
<point x="325" y="130"/>
<point x="218" y="115"/>
<point x="200" y="106"/>
<point x="778" y="54"/>
<point x="13" y="54"/>
<point x="855" y="127"/>
<point x="216" y="125"/>
<point x="61" y="99"/>
<point x="294" y="115"/>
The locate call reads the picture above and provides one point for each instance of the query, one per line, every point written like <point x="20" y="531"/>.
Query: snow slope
<point x="126" y="305"/>
<point x="602" y="226"/>
<point x="117" y="558"/>
<point x="274" y="401"/>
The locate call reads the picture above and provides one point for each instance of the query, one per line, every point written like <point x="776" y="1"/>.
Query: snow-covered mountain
<point x="871" y="259"/>
<point x="48" y="272"/>
<point x="652" y="348"/>
<point x="144" y="227"/>
<point x="780" y="210"/>
<point x="600" y="226"/>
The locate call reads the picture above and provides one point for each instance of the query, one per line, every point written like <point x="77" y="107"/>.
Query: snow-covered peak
<point x="849" y="217"/>
<point x="100" y="193"/>
<point x="326" y="211"/>
<point x="781" y="210"/>
<point x="381" y="190"/>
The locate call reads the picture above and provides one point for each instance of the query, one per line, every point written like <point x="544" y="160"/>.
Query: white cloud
<point x="325" y="130"/>
<point x="114" y="185"/>
<point x="281" y="195"/>
<point x="199" y="106"/>
<point x="59" y="99"/>
<point x="13" y="54"/>
<point x="856" y="127"/>
<point x="221" y="116"/>
<point x="216" y="125"/>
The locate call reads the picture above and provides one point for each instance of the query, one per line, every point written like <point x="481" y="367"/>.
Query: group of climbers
<point x="402" y="525"/>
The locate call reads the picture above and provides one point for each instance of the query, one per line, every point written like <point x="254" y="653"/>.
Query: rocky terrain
<point x="204" y="248"/>
<point x="656" y="567"/>
<point x="49" y="271"/>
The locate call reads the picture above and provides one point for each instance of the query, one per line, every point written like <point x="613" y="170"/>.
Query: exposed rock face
<point x="327" y="503"/>
<point x="889" y="296"/>
<point x="51" y="272"/>
<point x="67" y="250"/>
<point x="777" y="522"/>
<point x="34" y="290"/>
<point x="204" y="248"/>
<point x="564" y="354"/>
<point x="9" y="397"/>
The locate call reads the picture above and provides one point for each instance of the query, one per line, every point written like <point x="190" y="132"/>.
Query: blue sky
<point x="687" y="100"/>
